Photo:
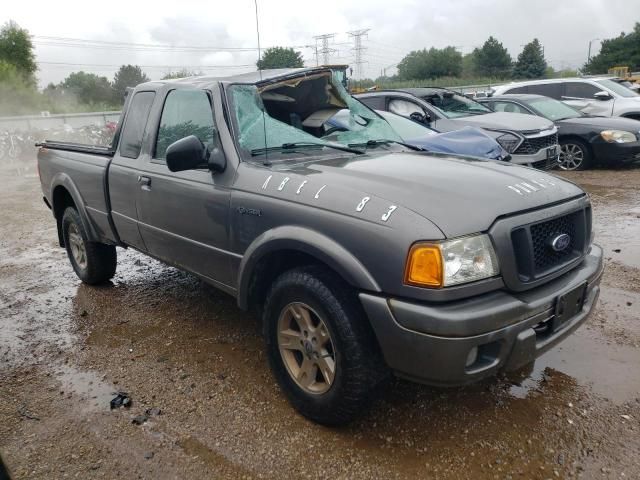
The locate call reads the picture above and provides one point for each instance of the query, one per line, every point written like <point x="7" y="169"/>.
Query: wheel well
<point x="566" y="138"/>
<point x="270" y="267"/>
<point x="633" y="116"/>
<point x="61" y="200"/>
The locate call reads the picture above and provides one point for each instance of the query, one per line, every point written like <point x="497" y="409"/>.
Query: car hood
<point x="604" y="123"/>
<point x="466" y="141"/>
<point x="459" y="195"/>
<point x="518" y="122"/>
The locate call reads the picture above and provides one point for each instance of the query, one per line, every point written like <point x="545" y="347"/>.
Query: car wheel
<point x="574" y="155"/>
<point x="321" y="348"/>
<point x="93" y="262"/>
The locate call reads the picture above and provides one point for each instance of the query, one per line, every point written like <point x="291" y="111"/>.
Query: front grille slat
<point x="531" y="146"/>
<point x="535" y="257"/>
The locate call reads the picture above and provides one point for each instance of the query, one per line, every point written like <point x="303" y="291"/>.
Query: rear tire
<point x="93" y="262"/>
<point x="574" y="155"/>
<point x="320" y="345"/>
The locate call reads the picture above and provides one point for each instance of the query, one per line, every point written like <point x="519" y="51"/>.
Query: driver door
<point x="581" y="96"/>
<point x="183" y="216"/>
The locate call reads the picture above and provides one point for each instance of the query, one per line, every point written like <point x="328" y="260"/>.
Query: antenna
<point x="264" y="120"/>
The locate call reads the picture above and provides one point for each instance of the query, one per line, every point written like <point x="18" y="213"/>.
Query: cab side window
<point x="508" y="107"/>
<point x="185" y="112"/>
<point x="580" y="90"/>
<point x="135" y="123"/>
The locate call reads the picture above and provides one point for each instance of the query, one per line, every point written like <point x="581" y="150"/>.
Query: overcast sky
<point x="564" y="28"/>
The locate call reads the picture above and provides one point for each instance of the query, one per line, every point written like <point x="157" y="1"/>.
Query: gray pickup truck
<point x="363" y="257"/>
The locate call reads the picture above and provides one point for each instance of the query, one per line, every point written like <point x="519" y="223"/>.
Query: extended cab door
<point x="123" y="171"/>
<point x="184" y="216"/>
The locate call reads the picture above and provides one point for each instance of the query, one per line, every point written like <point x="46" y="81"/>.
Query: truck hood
<point x="459" y="195"/>
<point x="518" y="122"/>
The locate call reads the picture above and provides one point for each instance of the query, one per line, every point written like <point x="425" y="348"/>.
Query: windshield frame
<point x="244" y="154"/>
<point x="448" y="114"/>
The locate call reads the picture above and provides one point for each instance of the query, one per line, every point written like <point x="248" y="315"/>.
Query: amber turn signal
<point x="424" y="266"/>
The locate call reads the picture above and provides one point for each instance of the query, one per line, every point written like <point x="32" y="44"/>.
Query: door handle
<point x="145" y="182"/>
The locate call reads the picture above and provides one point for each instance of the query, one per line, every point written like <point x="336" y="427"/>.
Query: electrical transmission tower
<point x="358" y="49"/>
<point x="325" y="50"/>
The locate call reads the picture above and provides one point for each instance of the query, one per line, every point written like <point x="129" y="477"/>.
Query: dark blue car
<point x="467" y="141"/>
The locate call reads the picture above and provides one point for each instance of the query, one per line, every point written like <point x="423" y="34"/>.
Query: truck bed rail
<point x="106" y="151"/>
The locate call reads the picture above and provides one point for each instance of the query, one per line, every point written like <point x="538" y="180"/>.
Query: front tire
<point x="574" y="155"/>
<point x="321" y="348"/>
<point x="93" y="262"/>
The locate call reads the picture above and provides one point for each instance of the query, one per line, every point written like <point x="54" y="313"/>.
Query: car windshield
<point x="553" y="109"/>
<point x="291" y="115"/>
<point x="453" y="105"/>
<point x="615" y="87"/>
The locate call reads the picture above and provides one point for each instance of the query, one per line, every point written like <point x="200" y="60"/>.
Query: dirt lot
<point x="177" y="345"/>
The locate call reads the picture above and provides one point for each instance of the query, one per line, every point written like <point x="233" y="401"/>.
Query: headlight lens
<point x="618" y="136"/>
<point x="509" y="142"/>
<point x="456" y="261"/>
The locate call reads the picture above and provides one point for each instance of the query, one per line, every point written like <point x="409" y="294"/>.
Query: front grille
<point x="531" y="146"/>
<point x="534" y="254"/>
<point x="545" y="257"/>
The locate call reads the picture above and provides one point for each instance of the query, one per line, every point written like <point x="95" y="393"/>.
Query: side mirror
<point x="189" y="153"/>
<point x="420" y="117"/>
<point x="602" y="95"/>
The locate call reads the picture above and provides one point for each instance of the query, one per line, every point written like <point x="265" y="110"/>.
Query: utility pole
<point x="358" y="49"/>
<point x="326" y="51"/>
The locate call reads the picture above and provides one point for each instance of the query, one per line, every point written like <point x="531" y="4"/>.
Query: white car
<point x="601" y="96"/>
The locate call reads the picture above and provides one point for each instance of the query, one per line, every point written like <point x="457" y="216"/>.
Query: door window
<point x="135" y="123"/>
<point x="186" y="112"/>
<point x="404" y="107"/>
<point x="509" y="107"/>
<point x="579" y="90"/>
<point x="553" y="90"/>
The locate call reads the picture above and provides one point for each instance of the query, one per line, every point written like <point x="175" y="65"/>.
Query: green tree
<point x="280" y="57"/>
<point x="16" y="49"/>
<point x="623" y="50"/>
<point x="492" y="59"/>
<point x="183" y="73"/>
<point x="17" y="97"/>
<point x="88" y="87"/>
<point x="127" y="76"/>
<point x="432" y="63"/>
<point x="531" y="62"/>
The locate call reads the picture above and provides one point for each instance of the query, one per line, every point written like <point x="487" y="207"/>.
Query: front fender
<point x="307" y="241"/>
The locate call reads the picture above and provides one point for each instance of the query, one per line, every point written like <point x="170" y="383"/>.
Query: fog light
<point x="472" y="357"/>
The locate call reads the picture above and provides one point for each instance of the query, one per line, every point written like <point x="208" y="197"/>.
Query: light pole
<point x="589" y="54"/>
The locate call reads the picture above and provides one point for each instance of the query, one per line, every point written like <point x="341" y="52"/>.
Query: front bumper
<point x="546" y="158"/>
<point x="616" y="153"/>
<point x="430" y="343"/>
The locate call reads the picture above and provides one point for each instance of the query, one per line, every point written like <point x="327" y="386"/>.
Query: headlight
<point x="618" y="136"/>
<point x="509" y="142"/>
<point x="452" y="262"/>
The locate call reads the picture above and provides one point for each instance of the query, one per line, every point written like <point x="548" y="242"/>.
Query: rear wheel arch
<point x="64" y="194"/>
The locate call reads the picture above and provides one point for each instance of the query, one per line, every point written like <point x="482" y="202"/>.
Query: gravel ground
<point x="184" y="352"/>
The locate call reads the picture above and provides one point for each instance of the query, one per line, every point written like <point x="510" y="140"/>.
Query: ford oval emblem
<point x="560" y="242"/>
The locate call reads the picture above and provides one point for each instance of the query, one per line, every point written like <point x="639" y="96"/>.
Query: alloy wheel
<point x="306" y="348"/>
<point x="76" y="245"/>
<point x="571" y="156"/>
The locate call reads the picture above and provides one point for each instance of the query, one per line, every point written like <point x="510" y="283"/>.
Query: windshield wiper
<point x="292" y="146"/>
<point x="376" y="143"/>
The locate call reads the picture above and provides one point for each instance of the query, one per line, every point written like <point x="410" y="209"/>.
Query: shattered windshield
<point x="294" y="112"/>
